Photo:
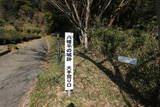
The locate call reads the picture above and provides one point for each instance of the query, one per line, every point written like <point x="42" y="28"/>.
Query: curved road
<point x="19" y="70"/>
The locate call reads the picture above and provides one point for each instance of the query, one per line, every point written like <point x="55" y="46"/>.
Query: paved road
<point x="18" y="72"/>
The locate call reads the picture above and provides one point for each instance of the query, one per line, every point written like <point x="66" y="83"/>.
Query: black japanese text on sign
<point x="68" y="61"/>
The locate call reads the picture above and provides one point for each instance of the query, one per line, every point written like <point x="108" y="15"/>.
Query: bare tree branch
<point x="79" y="12"/>
<point x="57" y="5"/>
<point x="107" y="4"/>
<point x="76" y="14"/>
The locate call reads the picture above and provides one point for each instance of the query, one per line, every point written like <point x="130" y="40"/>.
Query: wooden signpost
<point x="69" y="62"/>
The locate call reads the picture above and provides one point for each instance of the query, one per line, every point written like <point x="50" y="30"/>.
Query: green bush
<point x="113" y="42"/>
<point x="9" y="36"/>
<point x="2" y="22"/>
<point x="116" y="42"/>
<point x="106" y="41"/>
<point x="30" y="36"/>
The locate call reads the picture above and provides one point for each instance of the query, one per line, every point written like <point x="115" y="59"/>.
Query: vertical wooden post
<point x="58" y="49"/>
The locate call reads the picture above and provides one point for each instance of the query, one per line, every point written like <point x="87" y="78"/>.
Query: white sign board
<point x="127" y="60"/>
<point x="69" y="61"/>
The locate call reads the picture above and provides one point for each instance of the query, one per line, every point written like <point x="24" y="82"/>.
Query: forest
<point x="105" y="28"/>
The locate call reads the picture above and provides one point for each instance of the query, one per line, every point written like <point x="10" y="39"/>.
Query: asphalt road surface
<point x="19" y="70"/>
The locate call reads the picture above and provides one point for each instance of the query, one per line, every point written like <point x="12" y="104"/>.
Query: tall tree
<point x="80" y="13"/>
<point x="117" y="11"/>
<point x="1" y="10"/>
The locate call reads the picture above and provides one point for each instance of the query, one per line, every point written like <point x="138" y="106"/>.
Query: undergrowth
<point x="92" y="88"/>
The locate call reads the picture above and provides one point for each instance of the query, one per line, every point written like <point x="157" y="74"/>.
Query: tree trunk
<point x="111" y="21"/>
<point x="84" y="39"/>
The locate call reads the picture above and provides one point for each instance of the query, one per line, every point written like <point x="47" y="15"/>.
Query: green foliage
<point x="134" y="43"/>
<point x="106" y="40"/>
<point x="22" y="20"/>
<point x="113" y="42"/>
<point x="10" y="36"/>
<point x="31" y="16"/>
<point x="7" y="36"/>
<point x="91" y="85"/>
<point x="2" y="22"/>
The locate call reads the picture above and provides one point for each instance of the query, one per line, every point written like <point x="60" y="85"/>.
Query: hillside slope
<point x="92" y="87"/>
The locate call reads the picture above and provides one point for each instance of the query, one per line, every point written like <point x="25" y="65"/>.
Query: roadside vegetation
<point x="104" y="30"/>
<point x="92" y="87"/>
<point x="100" y="80"/>
<point x="13" y="37"/>
<point x="141" y="80"/>
<point x="23" y="20"/>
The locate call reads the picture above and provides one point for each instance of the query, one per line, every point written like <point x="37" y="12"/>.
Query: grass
<point x="143" y="78"/>
<point x="92" y="87"/>
<point x="12" y="36"/>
